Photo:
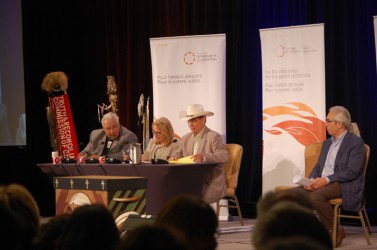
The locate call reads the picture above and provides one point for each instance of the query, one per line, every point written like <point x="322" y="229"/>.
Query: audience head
<point x="50" y="232"/>
<point x="163" y="131"/>
<point x="10" y="231"/>
<point x="152" y="237"/>
<point x="195" y="218"/>
<point x="289" y="219"/>
<point x="22" y="204"/>
<point x="110" y="124"/>
<point x="271" y="198"/>
<point x="340" y="114"/>
<point x="90" y="227"/>
<point x="295" y="243"/>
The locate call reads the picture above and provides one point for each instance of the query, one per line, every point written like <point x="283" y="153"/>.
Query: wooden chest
<point x="122" y="195"/>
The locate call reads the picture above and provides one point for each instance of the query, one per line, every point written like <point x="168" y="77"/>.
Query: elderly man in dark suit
<point x="339" y="170"/>
<point x="204" y="145"/>
<point x="112" y="141"/>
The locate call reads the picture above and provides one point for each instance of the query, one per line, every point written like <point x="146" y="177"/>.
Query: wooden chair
<point x="312" y="152"/>
<point x="361" y="214"/>
<point x="232" y="169"/>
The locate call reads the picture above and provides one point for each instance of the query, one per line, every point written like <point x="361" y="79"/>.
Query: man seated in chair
<point x="339" y="170"/>
<point x="204" y="145"/>
<point x="112" y="141"/>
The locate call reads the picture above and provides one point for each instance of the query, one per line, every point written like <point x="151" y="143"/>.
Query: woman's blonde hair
<point x="166" y="128"/>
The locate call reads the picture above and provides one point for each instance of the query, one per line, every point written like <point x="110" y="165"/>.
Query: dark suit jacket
<point x="348" y="171"/>
<point x="121" y="144"/>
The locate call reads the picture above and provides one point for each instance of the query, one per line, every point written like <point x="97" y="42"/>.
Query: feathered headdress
<point x="55" y="82"/>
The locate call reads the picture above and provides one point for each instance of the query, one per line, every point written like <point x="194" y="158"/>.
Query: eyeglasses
<point x="114" y="127"/>
<point x="157" y="133"/>
<point x="194" y="120"/>
<point x="329" y="120"/>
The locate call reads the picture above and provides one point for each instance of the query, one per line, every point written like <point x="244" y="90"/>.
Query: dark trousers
<point x="320" y="200"/>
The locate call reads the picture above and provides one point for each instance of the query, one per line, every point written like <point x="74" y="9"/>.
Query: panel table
<point x="164" y="180"/>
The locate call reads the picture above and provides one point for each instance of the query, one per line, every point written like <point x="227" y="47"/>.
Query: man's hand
<point x="81" y="156"/>
<point x="94" y="156"/>
<point x="198" y="157"/>
<point x="126" y="157"/>
<point x="318" y="183"/>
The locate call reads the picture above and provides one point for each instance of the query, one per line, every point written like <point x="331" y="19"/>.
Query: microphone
<point x="112" y="161"/>
<point x="160" y="161"/>
<point x="68" y="160"/>
<point x="91" y="160"/>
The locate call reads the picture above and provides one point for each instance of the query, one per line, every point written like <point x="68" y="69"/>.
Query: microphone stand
<point x="160" y="161"/>
<point x="133" y="166"/>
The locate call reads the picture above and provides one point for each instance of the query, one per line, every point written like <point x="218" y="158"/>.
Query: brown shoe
<point x="340" y="236"/>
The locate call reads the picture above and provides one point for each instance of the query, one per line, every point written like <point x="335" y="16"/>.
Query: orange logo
<point x="306" y="130"/>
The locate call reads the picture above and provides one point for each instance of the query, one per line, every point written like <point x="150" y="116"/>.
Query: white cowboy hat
<point x="193" y="111"/>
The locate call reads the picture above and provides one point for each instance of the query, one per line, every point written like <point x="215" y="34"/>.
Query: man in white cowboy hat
<point x="204" y="145"/>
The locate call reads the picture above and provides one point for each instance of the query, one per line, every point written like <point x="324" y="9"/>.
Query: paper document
<point x="185" y="160"/>
<point x="302" y="181"/>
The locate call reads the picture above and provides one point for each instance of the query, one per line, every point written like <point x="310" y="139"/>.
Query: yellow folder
<point x="185" y="160"/>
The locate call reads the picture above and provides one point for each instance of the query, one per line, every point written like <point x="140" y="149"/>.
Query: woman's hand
<point x="172" y="158"/>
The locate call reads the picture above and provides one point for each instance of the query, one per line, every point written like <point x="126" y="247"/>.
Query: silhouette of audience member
<point x="271" y="198"/>
<point x="20" y="201"/>
<point x="90" y="227"/>
<point x="294" y="243"/>
<point x="50" y="232"/>
<point x="288" y="219"/>
<point x="10" y="232"/>
<point x="192" y="216"/>
<point x="152" y="237"/>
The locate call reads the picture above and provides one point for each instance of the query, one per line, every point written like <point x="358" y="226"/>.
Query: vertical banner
<point x="65" y="133"/>
<point x="189" y="70"/>
<point x="375" y="33"/>
<point x="294" y="100"/>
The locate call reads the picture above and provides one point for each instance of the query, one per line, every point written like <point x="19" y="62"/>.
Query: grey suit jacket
<point x="348" y="169"/>
<point x="121" y="144"/>
<point x="212" y="146"/>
